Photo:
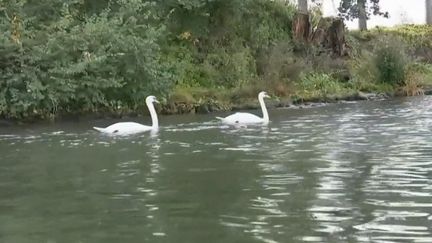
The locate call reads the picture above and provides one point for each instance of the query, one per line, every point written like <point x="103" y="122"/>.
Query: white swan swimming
<point x="126" y="128"/>
<point x="242" y="118"/>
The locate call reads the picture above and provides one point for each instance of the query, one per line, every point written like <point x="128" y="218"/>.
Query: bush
<point x="412" y="85"/>
<point x="390" y="61"/>
<point x="319" y="85"/>
<point x="418" y="75"/>
<point x="228" y="68"/>
<point x="279" y="63"/>
<point x="365" y="74"/>
<point x="223" y="49"/>
<point x="110" y="60"/>
<point x="416" y="35"/>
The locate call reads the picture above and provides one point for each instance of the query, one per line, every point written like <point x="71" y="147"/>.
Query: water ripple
<point x="354" y="172"/>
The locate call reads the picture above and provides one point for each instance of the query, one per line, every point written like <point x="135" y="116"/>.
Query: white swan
<point x="126" y="128"/>
<point x="242" y="118"/>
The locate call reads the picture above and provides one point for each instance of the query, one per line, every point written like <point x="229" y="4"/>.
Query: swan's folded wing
<point x="100" y="129"/>
<point x="242" y="118"/>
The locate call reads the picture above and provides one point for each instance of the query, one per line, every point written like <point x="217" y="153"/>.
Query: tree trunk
<point x="362" y="14"/>
<point x="330" y="34"/>
<point x="301" y="27"/>
<point x="337" y="37"/>
<point x="302" y="6"/>
<point x="428" y="11"/>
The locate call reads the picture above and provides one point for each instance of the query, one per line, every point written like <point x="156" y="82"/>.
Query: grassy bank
<point x="384" y="61"/>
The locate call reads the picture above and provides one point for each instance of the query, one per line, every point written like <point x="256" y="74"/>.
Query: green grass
<point x="321" y="86"/>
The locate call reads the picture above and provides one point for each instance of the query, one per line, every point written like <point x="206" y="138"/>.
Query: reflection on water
<point x="358" y="172"/>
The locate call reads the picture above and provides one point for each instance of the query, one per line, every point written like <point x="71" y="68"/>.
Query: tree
<point x="360" y="9"/>
<point x="302" y="6"/>
<point x="428" y="11"/>
<point x="362" y="19"/>
<point x="301" y="24"/>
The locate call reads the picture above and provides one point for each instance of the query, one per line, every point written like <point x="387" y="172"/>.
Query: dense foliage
<point x="390" y="63"/>
<point x="78" y="63"/>
<point x="85" y="56"/>
<point x="73" y="56"/>
<point x="350" y="9"/>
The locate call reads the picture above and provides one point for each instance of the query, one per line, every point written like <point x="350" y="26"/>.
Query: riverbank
<point x="205" y="106"/>
<point x="93" y="63"/>
<point x="203" y="101"/>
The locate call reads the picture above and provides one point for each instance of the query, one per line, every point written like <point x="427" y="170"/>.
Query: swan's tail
<point x="220" y="118"/>
<point x="100" y="129"/>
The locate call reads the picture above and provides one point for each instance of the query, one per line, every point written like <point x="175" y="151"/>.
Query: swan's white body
<point x="124" y="128"/>
<point x="127" y="128"/>
<point x="242" y="118"/>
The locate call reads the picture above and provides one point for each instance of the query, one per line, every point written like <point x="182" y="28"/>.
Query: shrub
<point x="390" y="61"/>
<point x="412" y="85"/>
<point x="416" y="35"/>
<point x="228" y="68"/>
<point x="316" y="85"/>
<point x="110" y="60"/>
<point x="364" y="72"/>
<point x="223" y="49"/>
<point x="279" y="63"/>
<point x="417" y="76"/>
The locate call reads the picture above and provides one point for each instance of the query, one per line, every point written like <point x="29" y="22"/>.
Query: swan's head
<point x="151" y="99"/>
<point x="263" y="94"/>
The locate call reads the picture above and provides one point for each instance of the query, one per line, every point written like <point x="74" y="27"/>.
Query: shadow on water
<point x="358" y="172"/>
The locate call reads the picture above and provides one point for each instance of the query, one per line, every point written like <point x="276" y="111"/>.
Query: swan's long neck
<point x="264" y="109"/>
<point x="153" y="115"/>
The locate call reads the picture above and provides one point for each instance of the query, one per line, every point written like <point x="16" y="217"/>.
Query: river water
<point x="354" y="172"/>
